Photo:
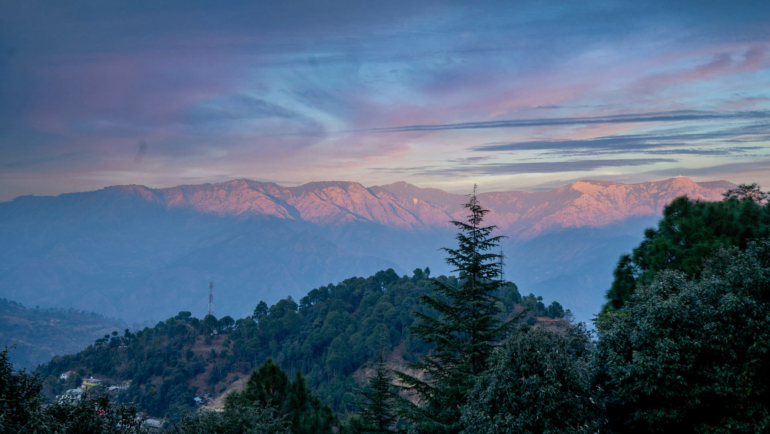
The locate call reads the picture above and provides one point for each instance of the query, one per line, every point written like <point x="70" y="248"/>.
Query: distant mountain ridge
<point x="139" y="253"/>
<point x="404" y="206"/>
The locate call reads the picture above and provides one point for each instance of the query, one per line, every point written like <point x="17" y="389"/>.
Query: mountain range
<point x="140" y="253"/>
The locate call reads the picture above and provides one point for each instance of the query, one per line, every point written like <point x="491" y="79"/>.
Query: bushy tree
<point x="465" y="328"/>
<point x="555" y="310"/>
<point x="236" y="420"/>
<point x="260" y="310"/>
<point x="690" y="232"/>
<point x="751" y="192"/>
<point x="540" y="381"/>
<point x="692" y="355"/>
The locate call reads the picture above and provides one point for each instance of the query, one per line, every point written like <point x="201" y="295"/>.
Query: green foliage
<point x="465" y="327"/>
<point x="236" y="420"/>
<point x="692" y="355"/>
<point x="327" y="336"/>
<point x="540" y="381"/>
<point x="92" y="415"/>
<point x="376" y="411"/>
<point x="24" y="410"/>
<point x="689" y="232"/>
<point x="270" y="387"/>
<point x="20" y="400"/>
<point x="155" y="361"/>
<point x="555" y="310"/>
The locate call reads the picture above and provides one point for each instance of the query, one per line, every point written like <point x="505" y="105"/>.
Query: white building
<point x="120" y="386"/>
<point x="71" y="395"/>
<point x="153" y="425"/>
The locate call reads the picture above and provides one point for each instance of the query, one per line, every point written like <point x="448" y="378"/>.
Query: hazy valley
<point x="145" y="254"/>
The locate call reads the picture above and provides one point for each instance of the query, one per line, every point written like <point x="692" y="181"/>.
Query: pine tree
<point x="270" y="386"/>
<point x="377" y="409"/>
<point x="465" y="331"/>
<point x="691" y="231"/>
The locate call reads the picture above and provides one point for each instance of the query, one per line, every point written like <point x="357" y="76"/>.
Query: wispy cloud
<point x="716" y="170"/>
<point x="667" y="116"/>
<point x="529" y="167"/>
<point x="671" y="143"/>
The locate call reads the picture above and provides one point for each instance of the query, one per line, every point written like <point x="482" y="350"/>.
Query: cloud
<point x="532" y="167"/>
<point x="743" y="167"/>
<point x="700" y="143"/>
<point x="236" y="107"/>
<point x="751" y="59"/>
<point x="666" y="116"/>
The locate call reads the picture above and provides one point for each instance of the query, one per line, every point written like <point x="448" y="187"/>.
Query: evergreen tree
<point x="752" y="192"/>
<point x="692" y="355"/>
<point x="260" y="310"/>
<point x="377" y="411"/>
<point x="690" y="232"/>
<point x="465" y="330"/>
<point x="270" y="386"/>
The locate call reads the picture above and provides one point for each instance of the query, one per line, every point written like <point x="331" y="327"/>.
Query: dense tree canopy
<point x="236" y="420"/>
<point x="327" y="336"/>
<point x="540" y="381"/>
<point x="691" y="231"/>
<point x="270" y="387"/>
<point x="692" y="355"/>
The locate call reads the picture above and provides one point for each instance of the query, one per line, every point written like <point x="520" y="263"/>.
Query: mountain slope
<point x="139" y="253"/>
<point x="40" y="334"/>
<point x="331" y="336"/>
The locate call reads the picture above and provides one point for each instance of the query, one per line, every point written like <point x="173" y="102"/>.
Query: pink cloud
<point x="722" y="63"/>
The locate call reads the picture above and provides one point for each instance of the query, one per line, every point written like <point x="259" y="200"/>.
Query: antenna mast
<point x="211" y="299"/>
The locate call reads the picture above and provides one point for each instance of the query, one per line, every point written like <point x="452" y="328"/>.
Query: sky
<point x="508" y="95"/>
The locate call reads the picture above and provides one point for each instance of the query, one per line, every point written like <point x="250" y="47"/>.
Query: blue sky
<point x="509" y="95"/>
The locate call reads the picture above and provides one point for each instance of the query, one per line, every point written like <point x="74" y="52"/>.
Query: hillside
<point x="40" y="334"/>
<point x="144" y="254"/>
<point x="330" y="336"/>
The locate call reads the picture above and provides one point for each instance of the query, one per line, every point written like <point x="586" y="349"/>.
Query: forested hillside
<point x="40" y="334"/>
<point x="329" y="335"/>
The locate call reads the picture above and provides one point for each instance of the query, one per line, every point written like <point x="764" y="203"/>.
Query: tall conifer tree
<point x="270" y="386"/>
<point x="376" y="412"/>
<point x="465" y="330"/>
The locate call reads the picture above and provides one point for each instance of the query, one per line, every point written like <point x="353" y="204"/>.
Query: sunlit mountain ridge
<point x="139" y="253"/>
